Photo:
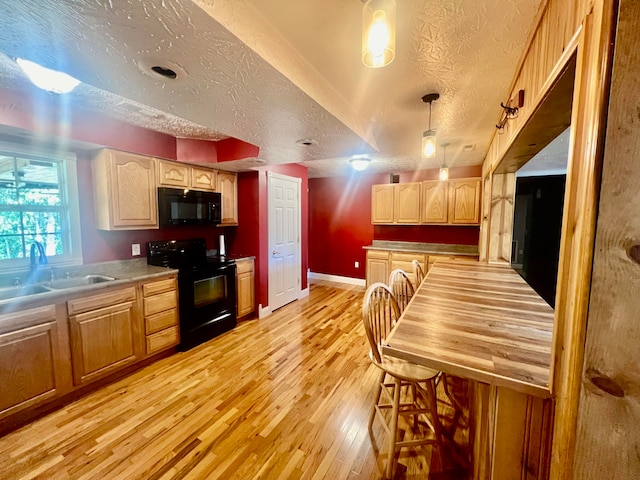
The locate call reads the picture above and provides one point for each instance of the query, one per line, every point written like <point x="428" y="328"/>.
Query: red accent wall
<point x="340" y="221"/>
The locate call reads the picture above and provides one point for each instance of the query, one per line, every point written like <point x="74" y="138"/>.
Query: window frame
<point x="70" y="205"/>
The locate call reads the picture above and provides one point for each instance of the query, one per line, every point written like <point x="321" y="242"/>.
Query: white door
<point x="284" y="240"/>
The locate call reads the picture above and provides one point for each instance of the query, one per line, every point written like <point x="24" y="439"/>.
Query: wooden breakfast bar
<point x="484" y="323"/>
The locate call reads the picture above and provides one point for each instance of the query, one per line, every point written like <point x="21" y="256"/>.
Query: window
<point x="38" y="203"/>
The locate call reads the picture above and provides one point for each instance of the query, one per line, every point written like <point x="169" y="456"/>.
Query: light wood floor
<point x="285" y="397"/>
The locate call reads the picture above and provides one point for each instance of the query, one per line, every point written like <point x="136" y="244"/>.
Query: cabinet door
<point x="29" y="362"/>
<point x="377" y="266"/>
<point x="125" y="191"/>
<point x="407" y="203"/>
<point x="464" y="201"/>
<point x="382" y="203"/>
<point x="245" y="287"/>
<point x="404" y="261"/>
<point x="435" y="205"/>
<point x="171" y="174"/>
<point x="228" y="187"/>
<point x="102" y="341"/>
<point x="203" y="179"/>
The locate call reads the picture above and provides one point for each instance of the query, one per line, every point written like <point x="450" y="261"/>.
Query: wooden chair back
<point x="418" y="272"/>
<point x="401" y="287"/>
<point x="380" y="313"/>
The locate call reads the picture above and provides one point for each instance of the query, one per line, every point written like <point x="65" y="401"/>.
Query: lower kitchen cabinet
<point x="103" y="331"/>
<point x="404" y="261"/>
<point x="30" y="368"/>
<point x="160" y="306"/>
<point x="245" y="278"/>
<point x="377" y="266"/>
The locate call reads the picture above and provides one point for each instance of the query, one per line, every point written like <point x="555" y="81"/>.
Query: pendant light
<point x="429" y="136"/>
<point x="444" y="170"/>
<point x="378" y="32"/>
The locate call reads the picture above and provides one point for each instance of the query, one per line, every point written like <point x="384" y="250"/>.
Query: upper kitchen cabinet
<point x="228" y="188"/>
<point x="464" y="201"/>
<point x="382" y="203"/>
<point x="124" y="191"/>
<point x="173" y="174"/>
<point x="406" y="203"/>
<point x="435" y="201"/>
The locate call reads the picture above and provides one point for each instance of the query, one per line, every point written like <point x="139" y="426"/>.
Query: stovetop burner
<point x="186" y="254"/>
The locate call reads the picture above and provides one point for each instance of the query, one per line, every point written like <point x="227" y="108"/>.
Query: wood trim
<point x="593" y="74"/>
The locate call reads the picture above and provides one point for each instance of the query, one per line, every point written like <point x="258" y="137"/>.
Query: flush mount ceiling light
<point x="359" y="162"/>
<point x="429" y="136"/>
<point x="444" y="170"/>
<point x="378" y="32"/>
<point x="46" y="78"/>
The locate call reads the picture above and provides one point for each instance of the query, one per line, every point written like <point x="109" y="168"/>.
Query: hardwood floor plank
<point x="285" y="397"/>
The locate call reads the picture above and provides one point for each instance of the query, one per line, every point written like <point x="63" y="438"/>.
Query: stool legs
<point x="393" y="429"/>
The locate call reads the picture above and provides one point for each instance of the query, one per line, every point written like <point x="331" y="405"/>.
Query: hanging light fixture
<point x="429" y="136"/>
<point x="378" y="32"/>
<point x="444" y="170"/>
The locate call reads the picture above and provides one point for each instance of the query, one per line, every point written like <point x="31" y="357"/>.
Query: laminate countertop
<point x="419" y="247"/>
<point x="481" y="322"/>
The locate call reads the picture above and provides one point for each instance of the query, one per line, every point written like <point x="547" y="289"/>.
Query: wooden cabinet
<point x="30" y="367"/>
<point x="245" y="277"/>
<point x="160" y="307"/>
<point x="435" y="202"/>
<point x="180" y="175"/>
<point x="464" y="201"/>
<point x="404" y="261"/>
<point x="382" y="203"/>
<point x="125" y="196"/>
<point x="377" y="266"/>
<point x="228" y="188"/>
<point x="406" y="203"/>
<point x="103" y="331"/>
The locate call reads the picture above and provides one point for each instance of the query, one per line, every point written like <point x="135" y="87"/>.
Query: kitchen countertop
<point x="124" y="271"/>
<point x="435" y="248"/>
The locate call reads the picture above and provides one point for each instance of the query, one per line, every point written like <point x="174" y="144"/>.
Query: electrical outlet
<point x="357" y="264"/>
<point x="135" y="249"/>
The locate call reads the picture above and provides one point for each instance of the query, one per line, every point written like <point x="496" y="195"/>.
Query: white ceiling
<point x="271" y="72"/>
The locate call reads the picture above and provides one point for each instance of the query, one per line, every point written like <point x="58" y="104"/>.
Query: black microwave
<point x="188" y="207"/>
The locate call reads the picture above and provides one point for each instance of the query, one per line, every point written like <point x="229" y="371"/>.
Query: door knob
<point x="275" y="252"/>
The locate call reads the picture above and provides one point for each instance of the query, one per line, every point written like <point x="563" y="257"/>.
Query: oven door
<point x="207" y="303"/>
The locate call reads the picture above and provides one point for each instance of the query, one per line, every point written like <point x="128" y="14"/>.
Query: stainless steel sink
<point x="78" y="281"/>
<point x="8" y="293"/>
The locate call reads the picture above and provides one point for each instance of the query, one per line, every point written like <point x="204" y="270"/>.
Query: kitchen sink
<point x="78" y="281"/>
<point x="8" y="293"/>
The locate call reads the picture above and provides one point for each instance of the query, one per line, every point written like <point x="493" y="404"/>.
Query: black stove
<point x="206" y="288"/>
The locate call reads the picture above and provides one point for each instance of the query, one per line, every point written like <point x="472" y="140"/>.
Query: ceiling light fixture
<point x="46" y="78"/>
<point x="429" y="136"/>
<point x="444" y="170"/>
<point x="360" y="162"/>
<point x="378" y="32"/>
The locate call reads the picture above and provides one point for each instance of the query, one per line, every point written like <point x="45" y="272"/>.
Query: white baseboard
<point x="304" y="293"/>
<point x="337" y="278"/>
<point x="263" y="312"/>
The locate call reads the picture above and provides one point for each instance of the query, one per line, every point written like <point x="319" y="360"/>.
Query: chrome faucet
<point x="37" y="248"/>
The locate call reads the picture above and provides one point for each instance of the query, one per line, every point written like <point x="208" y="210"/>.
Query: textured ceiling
<point x="271" y="72"/>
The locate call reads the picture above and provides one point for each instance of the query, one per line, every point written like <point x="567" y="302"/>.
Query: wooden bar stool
<point x="380" y="313"/>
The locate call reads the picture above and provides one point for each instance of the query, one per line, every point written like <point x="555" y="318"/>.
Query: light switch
<point x="135" y="249"/>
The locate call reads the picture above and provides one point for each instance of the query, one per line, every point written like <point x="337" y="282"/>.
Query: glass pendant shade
<point x="429" y="144"/>
<point x="46" y="78"/>
<point x="444" y="173"/>
<point x="378" y="33"/>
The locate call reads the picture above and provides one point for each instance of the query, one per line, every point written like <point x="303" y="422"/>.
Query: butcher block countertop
<point x="429" y="248"/>
<point x="481" y="322"/>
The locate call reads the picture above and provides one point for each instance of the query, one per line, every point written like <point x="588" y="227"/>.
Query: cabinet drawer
<point x="161" y="340"/>
<point x="160" y="286"/>
<point x="244" y="266"/>
<point x="159" y="303"/>
<point x="94" y="302"/>
<point x="378" y="254"/>
<point x="160" y="321"/>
